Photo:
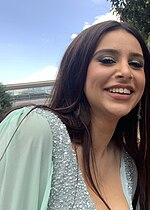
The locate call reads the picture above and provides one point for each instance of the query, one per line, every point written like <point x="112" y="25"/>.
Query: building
<point x="32" y="92"/>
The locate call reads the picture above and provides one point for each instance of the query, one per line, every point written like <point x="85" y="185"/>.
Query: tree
<point x="135" y="12"/>
<point x="5" y="100"/>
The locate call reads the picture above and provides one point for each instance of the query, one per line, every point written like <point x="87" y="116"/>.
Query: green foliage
<point x="5" y="99"/>
<point x="135" y="12"/>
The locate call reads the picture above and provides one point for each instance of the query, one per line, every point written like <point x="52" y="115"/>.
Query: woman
<point x="89" y="148"/>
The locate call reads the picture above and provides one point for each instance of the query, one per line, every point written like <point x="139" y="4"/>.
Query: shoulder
<point x="26" y="146"/>
<point x="25" y="127"/>
<point x="25" y="118"/>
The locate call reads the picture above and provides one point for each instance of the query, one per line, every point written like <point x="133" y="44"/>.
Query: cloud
<point x="47" y="73"/>
<point x="73" y="36"/>
<point x="44" y="40"/>
<point x="108" y="16"/>
<point x="97" y="1"/>
<point x="10" y="44"/>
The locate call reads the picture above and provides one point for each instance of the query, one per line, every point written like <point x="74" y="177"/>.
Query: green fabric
<point x="25" y="161"/>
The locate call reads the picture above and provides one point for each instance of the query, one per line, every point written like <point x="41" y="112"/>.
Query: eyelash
<point x="135" y="64"/>
<point x="107" y="60"/>
<point x="110" y="61"/>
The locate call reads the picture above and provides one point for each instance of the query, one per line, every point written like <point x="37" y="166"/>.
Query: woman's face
<point x="115" y="78"/>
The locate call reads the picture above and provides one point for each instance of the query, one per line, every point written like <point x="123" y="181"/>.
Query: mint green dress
<point x="38" y="167"/>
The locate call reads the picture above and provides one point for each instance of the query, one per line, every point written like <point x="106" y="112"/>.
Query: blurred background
<point x="35" y="33"/>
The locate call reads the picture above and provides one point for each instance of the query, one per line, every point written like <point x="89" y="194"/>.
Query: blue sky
<point x="35" y="33"/>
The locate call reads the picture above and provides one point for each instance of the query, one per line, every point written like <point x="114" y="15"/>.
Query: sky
<point x="35" y="33"/>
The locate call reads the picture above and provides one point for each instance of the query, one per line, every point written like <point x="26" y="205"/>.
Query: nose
<point x="124" y="72"/>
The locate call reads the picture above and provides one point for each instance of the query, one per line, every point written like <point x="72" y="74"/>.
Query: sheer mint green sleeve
<point x="25" y="161"/>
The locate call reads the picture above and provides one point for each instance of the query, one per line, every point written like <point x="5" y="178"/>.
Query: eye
<point x="106" y="60"/>
<point x="136" y="64"/>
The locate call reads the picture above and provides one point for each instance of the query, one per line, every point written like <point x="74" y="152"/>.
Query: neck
<point x="102" y="132"/>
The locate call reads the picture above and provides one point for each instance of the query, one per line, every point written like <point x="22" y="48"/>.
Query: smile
<point x="120" y="90"/>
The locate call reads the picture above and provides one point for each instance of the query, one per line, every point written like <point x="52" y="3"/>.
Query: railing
<point x="30" y="96"/>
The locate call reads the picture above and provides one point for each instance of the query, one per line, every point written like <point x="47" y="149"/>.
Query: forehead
<point x="120" y="40"/>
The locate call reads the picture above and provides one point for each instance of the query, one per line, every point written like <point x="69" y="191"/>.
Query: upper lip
<point x="129" y="87"/>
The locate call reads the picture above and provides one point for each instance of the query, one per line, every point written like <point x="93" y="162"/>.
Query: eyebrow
<point x="116" y="52"/>
<point x="113" y="51"/>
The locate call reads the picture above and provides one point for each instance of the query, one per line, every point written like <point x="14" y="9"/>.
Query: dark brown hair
<point x="70" y="104"/>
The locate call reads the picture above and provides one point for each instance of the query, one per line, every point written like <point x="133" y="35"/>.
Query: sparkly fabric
<point x="68" y="190"/>
<point x="131" y="176"/>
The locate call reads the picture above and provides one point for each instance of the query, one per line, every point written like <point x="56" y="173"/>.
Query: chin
<point x="120" y="111"/>
<point x="122" y="114"/>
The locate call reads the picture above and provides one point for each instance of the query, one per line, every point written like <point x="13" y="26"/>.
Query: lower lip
<point x="122" y="97"/>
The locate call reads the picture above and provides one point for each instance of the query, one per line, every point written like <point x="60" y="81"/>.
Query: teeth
<point x="120" y="90"/>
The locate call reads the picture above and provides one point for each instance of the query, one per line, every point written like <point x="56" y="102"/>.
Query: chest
<point x="69" y="190"/>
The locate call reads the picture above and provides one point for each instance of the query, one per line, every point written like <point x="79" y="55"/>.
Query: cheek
<point x="87" y="88"/>
<point x="90" y="88"/>
<point x="90" y="81"/>
<point x="142" y="82"/>
<point x="139" y="78"/>
<point x="92" y="85"/>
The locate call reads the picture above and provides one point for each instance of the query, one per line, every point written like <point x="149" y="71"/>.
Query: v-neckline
<point x="123" y="177"/>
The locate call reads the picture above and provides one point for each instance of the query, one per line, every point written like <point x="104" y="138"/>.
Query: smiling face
<point x="115" y="78"/>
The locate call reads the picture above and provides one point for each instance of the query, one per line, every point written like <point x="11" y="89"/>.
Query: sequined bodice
<point x="68" y="190"/>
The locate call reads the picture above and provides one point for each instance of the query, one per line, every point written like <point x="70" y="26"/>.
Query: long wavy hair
<point x="70" y="104"/>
